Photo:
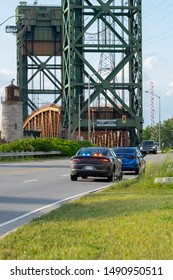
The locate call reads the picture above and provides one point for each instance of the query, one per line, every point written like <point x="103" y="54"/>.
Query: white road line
<point x="28" y="181"/>
<point x="50" y="205"/>
<point x="65" y="175"/>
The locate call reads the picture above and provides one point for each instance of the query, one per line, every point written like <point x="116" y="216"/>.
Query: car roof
<point x="126" y="147"/>
<point x="122" y="149"/>
<point x="148" y="141"/>
<point x="95" y="148"/>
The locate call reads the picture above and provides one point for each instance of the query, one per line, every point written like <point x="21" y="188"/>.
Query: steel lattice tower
<point x="48" y="33"/>
<point x="107" y="60"/>
<point x="38" y="54"/>
<point x="80" y="18"/>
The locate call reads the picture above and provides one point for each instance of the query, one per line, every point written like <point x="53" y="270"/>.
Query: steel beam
<point x="38" y="48"/>
<point x="81" y="19"/>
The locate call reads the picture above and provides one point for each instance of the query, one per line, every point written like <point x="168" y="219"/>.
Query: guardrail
<point x="25" y="154"/>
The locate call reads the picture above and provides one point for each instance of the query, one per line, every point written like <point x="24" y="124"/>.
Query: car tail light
<point x="132" y="157"/>
<point x="97" y="158"/>
<point x="75" y="160"/>
<point x="105" y="160"/>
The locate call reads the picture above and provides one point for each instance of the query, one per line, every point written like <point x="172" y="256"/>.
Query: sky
<point x="157" y="44"/>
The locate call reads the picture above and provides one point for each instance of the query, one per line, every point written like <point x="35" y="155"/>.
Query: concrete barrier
<point x="25" y="154"/>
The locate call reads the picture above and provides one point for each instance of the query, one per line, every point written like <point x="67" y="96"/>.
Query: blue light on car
<point x="86" y="154"/>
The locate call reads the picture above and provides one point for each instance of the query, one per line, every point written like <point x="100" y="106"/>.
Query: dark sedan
<point x="148" y="146"/>
<point x="96" y="162"/>
<point x="132" y="159"/>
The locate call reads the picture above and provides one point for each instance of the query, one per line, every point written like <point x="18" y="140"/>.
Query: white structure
<point x="12" y="115"/>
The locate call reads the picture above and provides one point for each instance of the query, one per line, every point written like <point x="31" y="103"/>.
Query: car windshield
<point x="148" y="143"/>
<point x="92" y="152"/>
<point x="124" y="151"/>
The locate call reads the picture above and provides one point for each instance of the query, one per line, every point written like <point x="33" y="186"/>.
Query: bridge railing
<point x="31" y="154"/>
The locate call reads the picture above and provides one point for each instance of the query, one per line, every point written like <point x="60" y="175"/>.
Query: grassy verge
<point x="130" y="220"/>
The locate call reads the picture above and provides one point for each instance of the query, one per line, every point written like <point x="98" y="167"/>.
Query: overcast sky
<point x="157" y="26"/>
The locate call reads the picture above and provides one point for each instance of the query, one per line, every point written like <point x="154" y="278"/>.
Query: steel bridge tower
<point x="107" y="59"/>
<point x="82" y="83"/>
<point x="58" y="51"/>
<point x="39" y="54"/>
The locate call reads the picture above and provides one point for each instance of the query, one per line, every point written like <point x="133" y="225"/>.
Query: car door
<point x="118" y="162"/>
<point x="141" y="159"/>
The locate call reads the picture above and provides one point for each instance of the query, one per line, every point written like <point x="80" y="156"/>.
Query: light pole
<point x="89" y="94"/>
<point x="79" y="127"/>
<point x="89" y="112"/>
<point x="159" y="115"/>
<point x="18" y="16"/>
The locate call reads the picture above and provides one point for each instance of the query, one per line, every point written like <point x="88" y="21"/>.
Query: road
<point x="30" y="189"/>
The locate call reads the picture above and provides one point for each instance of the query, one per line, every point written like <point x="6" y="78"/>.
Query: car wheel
<point x="84" y="177"/>
<point x="73" y="177"/>
<point x="118" y="178"/>
<point x="112" y="177"/>
<point x="121" y="175"/>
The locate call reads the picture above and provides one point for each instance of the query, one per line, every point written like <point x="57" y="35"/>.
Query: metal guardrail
<point x="23" y="154"/>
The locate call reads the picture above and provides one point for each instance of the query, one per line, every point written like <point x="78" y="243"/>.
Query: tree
<point x="166" y="133"/>
<point x="146" y="133"/>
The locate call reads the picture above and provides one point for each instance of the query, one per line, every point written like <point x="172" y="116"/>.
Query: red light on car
<point x="75" y="160"/>
<point x="97" y="155"/>
<point x="132" y="157"/>
<point x="105" y="160"/>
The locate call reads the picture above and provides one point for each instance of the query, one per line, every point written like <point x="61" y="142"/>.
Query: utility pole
<point x="152" y="109"/>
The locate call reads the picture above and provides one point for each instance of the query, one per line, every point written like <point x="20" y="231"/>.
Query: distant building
<point x="12" y="114"/>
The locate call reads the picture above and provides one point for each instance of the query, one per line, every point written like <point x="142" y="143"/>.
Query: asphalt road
<point x="30" y="189"/>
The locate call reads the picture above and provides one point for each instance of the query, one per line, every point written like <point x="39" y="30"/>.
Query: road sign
<point x="124" y="119"/>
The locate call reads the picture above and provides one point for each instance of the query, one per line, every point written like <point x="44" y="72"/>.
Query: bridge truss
<point x="61" y="47"/>
<point x="82" y="81"/>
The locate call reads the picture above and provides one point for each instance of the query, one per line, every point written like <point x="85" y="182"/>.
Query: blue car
<point x="132" y="159"/>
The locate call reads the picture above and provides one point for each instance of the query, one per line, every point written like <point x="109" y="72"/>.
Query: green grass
<point x="130" y="220"/>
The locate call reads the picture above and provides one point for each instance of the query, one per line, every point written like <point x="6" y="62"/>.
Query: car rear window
<point x="124" y="151"/>
<point x="148" y="143"/>
<point x="93" y="152"/>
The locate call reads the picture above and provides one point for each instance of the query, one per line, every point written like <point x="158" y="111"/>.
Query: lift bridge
<point x="86" y="58"/>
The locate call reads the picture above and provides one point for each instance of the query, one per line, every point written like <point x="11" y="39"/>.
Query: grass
<point x="131" y="220"/>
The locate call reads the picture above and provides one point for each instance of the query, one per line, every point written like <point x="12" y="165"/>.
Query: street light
<point x="16" y="16"/>
<point x="79" y="126"/>
<point x="159" y="115"/>
<point x="89" y="111"/>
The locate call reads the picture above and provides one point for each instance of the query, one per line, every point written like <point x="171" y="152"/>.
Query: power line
<point x="156" y="8"/>
<point x="165" y="15"/>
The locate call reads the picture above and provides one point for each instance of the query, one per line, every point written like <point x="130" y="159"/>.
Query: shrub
<point x="67" y="147"/>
